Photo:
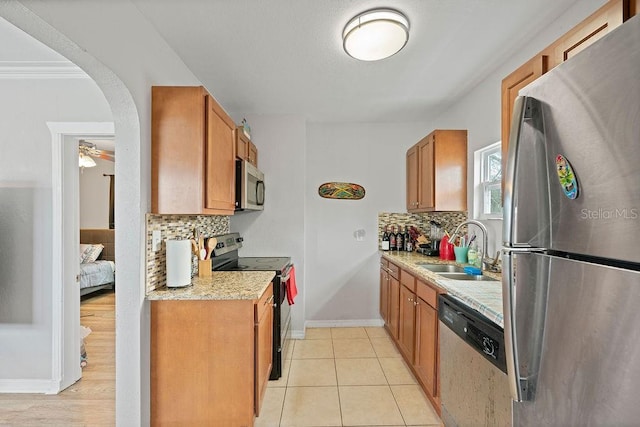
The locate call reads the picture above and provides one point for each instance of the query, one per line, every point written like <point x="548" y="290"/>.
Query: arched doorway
<point x="130" y="324"/>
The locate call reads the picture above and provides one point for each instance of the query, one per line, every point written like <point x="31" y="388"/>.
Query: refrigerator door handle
<point x="510" y="172"/>
<point x="525" y="278"/>
<point x="526" y="189"/>
<point x="525" y="250"/>
<point x="510" y="336"/>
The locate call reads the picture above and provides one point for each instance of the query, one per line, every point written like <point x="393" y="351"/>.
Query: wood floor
<point x="90" y="401"/>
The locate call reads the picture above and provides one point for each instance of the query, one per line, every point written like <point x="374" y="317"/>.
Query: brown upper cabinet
<point x="412" y="178"/>
<point x="192" y="153"/>
<point x="597" y="25"/>
<point x="245" y="148"/>
<point x="511" y="85"/>
<point x="437" y="172"/>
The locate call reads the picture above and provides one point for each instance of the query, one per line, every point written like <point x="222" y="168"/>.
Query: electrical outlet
<point x="156" y="240"/>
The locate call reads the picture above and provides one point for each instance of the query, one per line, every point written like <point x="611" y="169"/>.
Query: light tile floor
<point x="345" y="377"/>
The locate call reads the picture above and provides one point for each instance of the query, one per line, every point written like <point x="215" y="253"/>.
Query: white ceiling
<point x="286" y="57"/>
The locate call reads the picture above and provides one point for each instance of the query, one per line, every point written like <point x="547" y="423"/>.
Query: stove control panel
<point x="227" y="243"/>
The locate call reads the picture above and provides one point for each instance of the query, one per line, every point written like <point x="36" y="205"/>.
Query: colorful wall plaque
<point x="341" y="190"/>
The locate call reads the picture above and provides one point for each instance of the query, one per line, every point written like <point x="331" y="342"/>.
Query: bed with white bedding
<point x="97" y="273"/>
<point x="97" y="260"/>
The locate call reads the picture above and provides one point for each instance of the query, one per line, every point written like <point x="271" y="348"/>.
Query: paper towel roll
<point x="178" y="263"/>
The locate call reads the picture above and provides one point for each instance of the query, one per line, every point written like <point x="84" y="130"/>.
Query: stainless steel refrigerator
<point x="571" y="255"/>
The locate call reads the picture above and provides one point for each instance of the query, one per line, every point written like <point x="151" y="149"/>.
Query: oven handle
<point x="285" y="277"/>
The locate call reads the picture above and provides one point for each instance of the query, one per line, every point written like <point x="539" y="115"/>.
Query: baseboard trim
<point x="351" y="323"/>
<point x="297" y="335"/>
<point x="29" y="386"/>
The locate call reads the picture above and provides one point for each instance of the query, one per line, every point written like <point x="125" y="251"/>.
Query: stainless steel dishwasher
<point x="473" y="382"/>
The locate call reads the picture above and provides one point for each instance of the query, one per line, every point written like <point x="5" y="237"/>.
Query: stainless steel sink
<point x="442" y="268"/>
<point x="465" y="276"/>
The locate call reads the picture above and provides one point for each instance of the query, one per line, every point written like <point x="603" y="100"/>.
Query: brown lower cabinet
<point x="413" y="323"/>
<point x="394" y="300"/>
<point x="384" y="290"/>
<point x="426" y="351"/>
<point x="210" y="360"/>
<point x="407" y="315"/>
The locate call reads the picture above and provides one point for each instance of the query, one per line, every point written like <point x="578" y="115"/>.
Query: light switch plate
<point x="156" y="240"/>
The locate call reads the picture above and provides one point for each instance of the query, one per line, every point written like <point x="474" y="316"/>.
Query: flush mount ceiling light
<point x="375" y="34"/>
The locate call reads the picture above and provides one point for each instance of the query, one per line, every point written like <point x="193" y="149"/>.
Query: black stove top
<point x="225" y="257"/>
<point x="277" y="264"/>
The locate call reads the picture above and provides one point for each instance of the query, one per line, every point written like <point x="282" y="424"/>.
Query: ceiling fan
<point x="87" y="151"/>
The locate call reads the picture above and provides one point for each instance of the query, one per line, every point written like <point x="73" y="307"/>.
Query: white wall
<point x="124" y="54"/>
<point x="94" y="194"/>
<point x="342" y="280"/>
<point x="337" y="276"/>
<point x="279" y="229"/>
<point x="479" y="111"/>
<point x="25" y="214"/>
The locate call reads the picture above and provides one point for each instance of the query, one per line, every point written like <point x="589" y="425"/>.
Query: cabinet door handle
<point x="269" y="301"/>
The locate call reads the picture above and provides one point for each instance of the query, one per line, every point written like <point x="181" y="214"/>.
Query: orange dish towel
<point x="292" y="290"/>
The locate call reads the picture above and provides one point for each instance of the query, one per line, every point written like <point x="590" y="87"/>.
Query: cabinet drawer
<point x="408" y="280"/>
<point x="427" y="293"/>
<point x="384" y="263"/>
<point x="394" y="271"/>
<point x="264" y="303"/>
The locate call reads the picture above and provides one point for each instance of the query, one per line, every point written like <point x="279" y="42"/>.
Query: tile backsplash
<point x="448" y="220"/>
<point x="176" y="227"/>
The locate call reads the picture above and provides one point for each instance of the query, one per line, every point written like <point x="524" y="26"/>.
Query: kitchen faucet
<point x="487" y="263"/>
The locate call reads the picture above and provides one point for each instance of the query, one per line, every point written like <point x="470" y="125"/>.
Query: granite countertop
<point x="483" y="296"/>
<point x="221" y="285"/>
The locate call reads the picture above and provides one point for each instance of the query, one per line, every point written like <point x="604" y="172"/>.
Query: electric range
<point x="225" y="258"/>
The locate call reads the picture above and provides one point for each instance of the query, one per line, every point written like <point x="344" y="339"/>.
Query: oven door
<point x="285" y="308"/>
<point x="281" y="323"/>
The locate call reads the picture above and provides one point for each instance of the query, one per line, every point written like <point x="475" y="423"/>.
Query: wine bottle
<point x="400" y="239"/>
<point x="408" y="244"/>
<point x="392" y="239"/>
<point x="385" y="239"/>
